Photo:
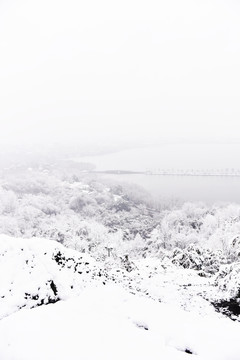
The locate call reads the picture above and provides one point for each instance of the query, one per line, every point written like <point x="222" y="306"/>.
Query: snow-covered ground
<point x="92" y="311"/>
<point x="106" y="322"/>
<point x="38" y="271"/>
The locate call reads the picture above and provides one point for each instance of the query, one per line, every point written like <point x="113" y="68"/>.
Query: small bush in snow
<point x="194" y="257"/>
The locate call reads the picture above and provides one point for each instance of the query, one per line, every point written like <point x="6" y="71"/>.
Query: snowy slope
<point x="84" y="315"/>
<point x="108" y="323"/>
<point x="38" y="271"/>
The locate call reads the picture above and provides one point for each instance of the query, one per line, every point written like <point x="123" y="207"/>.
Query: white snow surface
<point x="28" y="268"/>
<point x="106" y="322"/>
<point x="93" y="321"/>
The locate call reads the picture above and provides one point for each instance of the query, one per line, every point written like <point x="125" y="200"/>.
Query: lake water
<point x="177" y="156"/>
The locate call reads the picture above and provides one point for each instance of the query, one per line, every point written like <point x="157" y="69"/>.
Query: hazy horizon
<point x="133" y="72"/>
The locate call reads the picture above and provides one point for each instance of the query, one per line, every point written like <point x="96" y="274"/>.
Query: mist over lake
<point x="172" y="157"/>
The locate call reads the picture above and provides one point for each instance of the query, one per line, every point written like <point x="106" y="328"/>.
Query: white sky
<point x="94" y="70"/>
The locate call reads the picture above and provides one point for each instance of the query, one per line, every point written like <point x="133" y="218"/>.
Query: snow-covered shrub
<point x="79" y="202"/>
<point x="8" y="201"/>
<point x="127" y="264"/>
<point x="228" y="280"/>
<point x="234" y="248"/>
<point x="32" y="183"/>
<point x="197" y="258"/>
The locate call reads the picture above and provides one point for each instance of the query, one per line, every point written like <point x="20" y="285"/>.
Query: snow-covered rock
<point x="39" y="271"/>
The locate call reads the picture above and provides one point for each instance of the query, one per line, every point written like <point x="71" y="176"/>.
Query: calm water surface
<point x="178" y="156"/>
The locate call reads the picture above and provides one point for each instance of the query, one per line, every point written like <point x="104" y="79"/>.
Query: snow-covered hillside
<point x="39" y="271"/>
<point x="106" y="323"/>
<point x="95" y="310"/>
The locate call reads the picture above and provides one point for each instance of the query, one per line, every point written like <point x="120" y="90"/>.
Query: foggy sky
<point x="93" y="70"/>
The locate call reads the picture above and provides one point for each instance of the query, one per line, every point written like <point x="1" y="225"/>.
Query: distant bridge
<point x="194" y="172"/>
<point x="176" y="172"/>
